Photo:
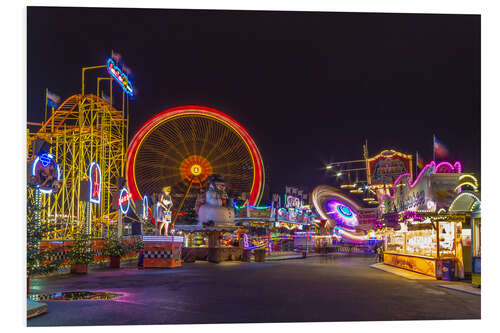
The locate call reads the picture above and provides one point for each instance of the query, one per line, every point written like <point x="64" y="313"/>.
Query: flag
<point x="126" y="70"/>
<point x="439" y="149"/>
<point x="115" y="56"/>
<point x="52" y="99"/>
<point x="106" y="98"/>
<point x="420" y="162"/>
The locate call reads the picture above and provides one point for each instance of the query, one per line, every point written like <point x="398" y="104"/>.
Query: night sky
<point x="309" y="87"/>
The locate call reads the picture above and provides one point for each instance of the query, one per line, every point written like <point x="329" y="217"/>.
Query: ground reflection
<point x="72" y="296"/>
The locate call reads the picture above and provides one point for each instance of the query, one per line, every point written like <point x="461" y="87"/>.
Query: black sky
<point x="309" y="87"/>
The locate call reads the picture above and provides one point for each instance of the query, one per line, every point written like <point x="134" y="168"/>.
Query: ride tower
<point x="86" y="128"/>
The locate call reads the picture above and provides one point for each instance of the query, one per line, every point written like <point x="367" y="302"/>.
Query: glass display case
<point x="416" y="244"/>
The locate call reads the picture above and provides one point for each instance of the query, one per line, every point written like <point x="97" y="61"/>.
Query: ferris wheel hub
<point x="195" y="168"/>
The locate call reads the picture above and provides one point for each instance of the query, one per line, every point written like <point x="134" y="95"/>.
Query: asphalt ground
<point x="324" y="288"/>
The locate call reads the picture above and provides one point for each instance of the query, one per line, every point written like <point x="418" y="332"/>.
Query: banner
<point x="387" y="166"/>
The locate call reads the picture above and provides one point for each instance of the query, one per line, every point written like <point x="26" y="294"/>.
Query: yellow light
<point x="466" y="183"/>
<point x="196" y="169"/>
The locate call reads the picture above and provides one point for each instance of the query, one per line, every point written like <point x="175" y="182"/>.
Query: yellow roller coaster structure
<point x="85" y="128"/>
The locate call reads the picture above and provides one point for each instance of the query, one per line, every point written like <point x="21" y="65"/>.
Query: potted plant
<point x="114" y="249"/>
<point x="79" y="255"/>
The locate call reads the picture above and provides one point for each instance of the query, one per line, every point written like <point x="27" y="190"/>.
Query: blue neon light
<point x="46" y="160"/>
<point x="120" y="77"/>
<point x="344" y="210"/>
<point x="145" y="206"/>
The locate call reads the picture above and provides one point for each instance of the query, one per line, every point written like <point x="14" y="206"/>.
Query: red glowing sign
<point x="123" y="200"/>
<point x="95" y="181"/>
<point x="125" y="196"/>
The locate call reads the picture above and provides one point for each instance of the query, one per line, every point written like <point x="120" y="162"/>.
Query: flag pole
<point x="46" y="91"/>
<point x="416" y="164"/>
<point x="433" y="147"/>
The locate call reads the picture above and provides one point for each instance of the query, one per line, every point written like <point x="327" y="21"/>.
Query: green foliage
<point x="38" y="261"/>
<point x="80" y="252"/>
<point x="137" y="244"/>
<point x="114" y="246"/>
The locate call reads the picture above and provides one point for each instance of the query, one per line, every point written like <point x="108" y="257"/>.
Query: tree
<point x="80" y="251"/>
<point x="114" y="246"/>
<point x="38" y="261"/>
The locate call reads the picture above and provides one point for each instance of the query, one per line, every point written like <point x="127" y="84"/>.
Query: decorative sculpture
<point x="218" y="207"/>
<point x="164" y="210"/>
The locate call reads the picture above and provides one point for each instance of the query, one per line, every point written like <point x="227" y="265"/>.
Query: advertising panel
<point x="387" y="166"/>
<point x="443" y="188"/>
<point x="412" y="197"/>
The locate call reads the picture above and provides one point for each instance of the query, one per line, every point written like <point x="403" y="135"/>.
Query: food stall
<point x="429" y="244"/>
<point x="427" y="235"/>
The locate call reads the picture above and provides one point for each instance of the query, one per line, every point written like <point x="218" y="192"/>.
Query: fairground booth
<point x="428" y="229"/>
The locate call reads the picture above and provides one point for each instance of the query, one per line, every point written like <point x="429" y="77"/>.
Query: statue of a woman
<point x="164" y="209"/>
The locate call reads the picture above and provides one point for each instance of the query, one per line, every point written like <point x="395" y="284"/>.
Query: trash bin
<point x="448" y="270"/>
<point x="260" y="255"/>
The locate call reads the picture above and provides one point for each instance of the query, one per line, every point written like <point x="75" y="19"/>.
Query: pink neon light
<point x="456" y="168"/>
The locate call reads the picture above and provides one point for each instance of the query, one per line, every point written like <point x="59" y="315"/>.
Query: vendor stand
<point x="430" y="245"/>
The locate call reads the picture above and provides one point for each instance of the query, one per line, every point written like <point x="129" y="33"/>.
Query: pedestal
<point x="214" y="255"/>
<point x="162" y="251"/>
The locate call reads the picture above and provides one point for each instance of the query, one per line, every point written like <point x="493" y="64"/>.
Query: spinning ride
<point x="340" y="212"/>
<point x="182" y="146"/>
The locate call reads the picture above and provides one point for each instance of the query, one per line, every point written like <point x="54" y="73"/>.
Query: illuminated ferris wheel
<point x="182" y="146"/>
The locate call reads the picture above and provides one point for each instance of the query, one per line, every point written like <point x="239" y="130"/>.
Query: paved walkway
<point x="453" y="285"/>
<point x="462" y="287"/>
<point x="321" y="288"/>
<point x="402" y="272"/>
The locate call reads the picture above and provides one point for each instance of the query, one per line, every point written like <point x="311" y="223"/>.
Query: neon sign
<point x="46" y="174"/>
<point x="124" y="198"/>
<point x="120" y="77"/>
<point x="95" y="182"/>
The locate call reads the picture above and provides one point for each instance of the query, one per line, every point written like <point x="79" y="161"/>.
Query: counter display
<point x="415" y="245"/>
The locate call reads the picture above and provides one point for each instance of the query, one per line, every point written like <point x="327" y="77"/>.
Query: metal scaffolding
<point x="83" y="129"/>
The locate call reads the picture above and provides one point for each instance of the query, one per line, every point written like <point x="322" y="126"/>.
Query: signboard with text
<point x="387" y="166"/>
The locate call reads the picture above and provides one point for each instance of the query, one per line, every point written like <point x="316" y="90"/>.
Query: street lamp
<point x="329" y="167"/>
<point x="339" y="174"/>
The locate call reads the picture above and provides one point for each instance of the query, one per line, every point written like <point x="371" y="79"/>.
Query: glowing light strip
<point x="431" y="165"/>
<point x="466" y="183"/>
<point x="145" y="206"/>
<point x="258" y="168"/>
<point x="474" y="179"/>
<point x="461" y="195"/>
<point x="34" y="165"/>
<point x="456" y="168"/>
<point x="91" y="183"/>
